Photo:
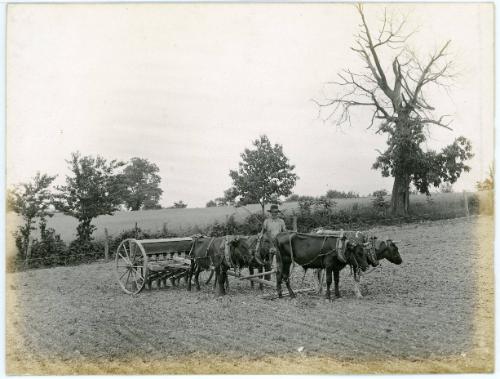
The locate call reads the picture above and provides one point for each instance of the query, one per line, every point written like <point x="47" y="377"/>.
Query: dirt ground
<point x="433" y="313"/>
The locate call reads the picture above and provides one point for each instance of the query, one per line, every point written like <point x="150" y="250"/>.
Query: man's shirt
<point x="272" y="227"/>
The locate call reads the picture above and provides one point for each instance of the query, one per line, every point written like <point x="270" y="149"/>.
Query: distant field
<point x="182" y="221"/>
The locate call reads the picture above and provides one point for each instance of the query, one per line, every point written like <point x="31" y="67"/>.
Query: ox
<point x="377" y="250"/>
<point x="221" y="253"/>
<point x="262" y="261"/>
<point x="262" y="258"/>
<point x="317" y="251"/>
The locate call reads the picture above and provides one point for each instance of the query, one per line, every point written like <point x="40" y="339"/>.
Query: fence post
<point x="466" y="204"/>
<point x="294" y="223"/>
<point x="106" y="244"/>
<point x="136" y="230"/>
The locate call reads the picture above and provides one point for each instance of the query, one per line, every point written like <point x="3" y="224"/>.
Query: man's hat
<point x="274" y="207"/>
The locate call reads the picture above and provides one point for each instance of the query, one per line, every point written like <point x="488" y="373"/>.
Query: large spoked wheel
<point x="131" y="266"/>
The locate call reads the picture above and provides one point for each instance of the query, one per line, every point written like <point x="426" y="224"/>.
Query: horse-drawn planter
<point x="141" y="263"/>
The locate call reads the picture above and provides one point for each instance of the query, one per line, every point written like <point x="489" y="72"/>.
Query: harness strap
<point x="341" y="243"/>
<point x="195" y="239"/>
<point x="209" y="246"/>
<point x="321" y="253"/>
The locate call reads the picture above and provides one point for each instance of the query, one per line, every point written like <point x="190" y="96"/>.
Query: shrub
<point x="379" y="202"/>
<point x="45" y="251"/>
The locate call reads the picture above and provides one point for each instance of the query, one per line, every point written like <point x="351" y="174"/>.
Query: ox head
<point x="262" y="252"/>
<point x="391" y="252"/>
<point x="356" y="255"/>
<point x="241" y="251"/>
<point x="385" y="249"/>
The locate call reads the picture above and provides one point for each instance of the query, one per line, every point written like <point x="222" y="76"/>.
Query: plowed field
<point x="433" y="313"/>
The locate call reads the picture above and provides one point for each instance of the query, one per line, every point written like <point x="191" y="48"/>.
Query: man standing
<point x="272" y="226"/>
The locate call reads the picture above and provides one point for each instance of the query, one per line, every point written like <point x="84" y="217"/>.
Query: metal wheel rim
<point x="131" y="266"/>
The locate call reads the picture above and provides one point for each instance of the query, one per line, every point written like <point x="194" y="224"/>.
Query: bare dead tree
<point x="394" y="92"/>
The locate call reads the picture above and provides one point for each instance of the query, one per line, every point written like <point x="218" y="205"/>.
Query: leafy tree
<point x="229" y="197"/>
<point x="379" y="202"/>
<point x="31" y="201"/>
<point x="94" y="189"/>
<point x="211" y="204"/>
<point x="395" y="91"/>
<point x="179" y="204"/>
<point x="142" y="181"/>
<point x="488" y="183"/>
<point x="380" y="193"/>
<point x="264" y="173"/>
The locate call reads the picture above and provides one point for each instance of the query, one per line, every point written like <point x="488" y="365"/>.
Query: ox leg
<point x="286" y="278"/>
<point x="328" y="283"/>
<point x="189" y="276"/>
<point x="261" y="286"/>
<point x="279" y="275"/>
<point x="216" y="280"/>
<point x="221" y="280"/>
<point x="357" y="291"/>
<point x="250" y="270"/>
<point x="197" y="277"/>
<point x="336" y="276"/>
<point x="279" y="278"/>
<point x="210" y="277"/>
<point x="319" y="276"/>
<point x="267" y="267"/>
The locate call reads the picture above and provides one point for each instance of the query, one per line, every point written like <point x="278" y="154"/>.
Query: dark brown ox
<point x="219" y="252"/>
<point x="262" y="261"/>
<point x="376" y="250"/>
<point x="260" y="251"/>
<point x="317" y="251"/>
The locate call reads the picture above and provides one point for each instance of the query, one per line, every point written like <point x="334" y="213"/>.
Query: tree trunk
<point x="84" y="230"/>
<point x="400" y="200"/>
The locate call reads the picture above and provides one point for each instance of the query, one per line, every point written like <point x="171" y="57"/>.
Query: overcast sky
<point x="189" y="86"/>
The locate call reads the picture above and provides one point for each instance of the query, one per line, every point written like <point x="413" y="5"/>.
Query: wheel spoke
<point x="137" y="273"/>
<point x="128" y="277"/>
<point x="137" y="283"/>
<point x="125" y="259"/>
<point x="121" y="276"/>
<point x="126" y="251"/>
